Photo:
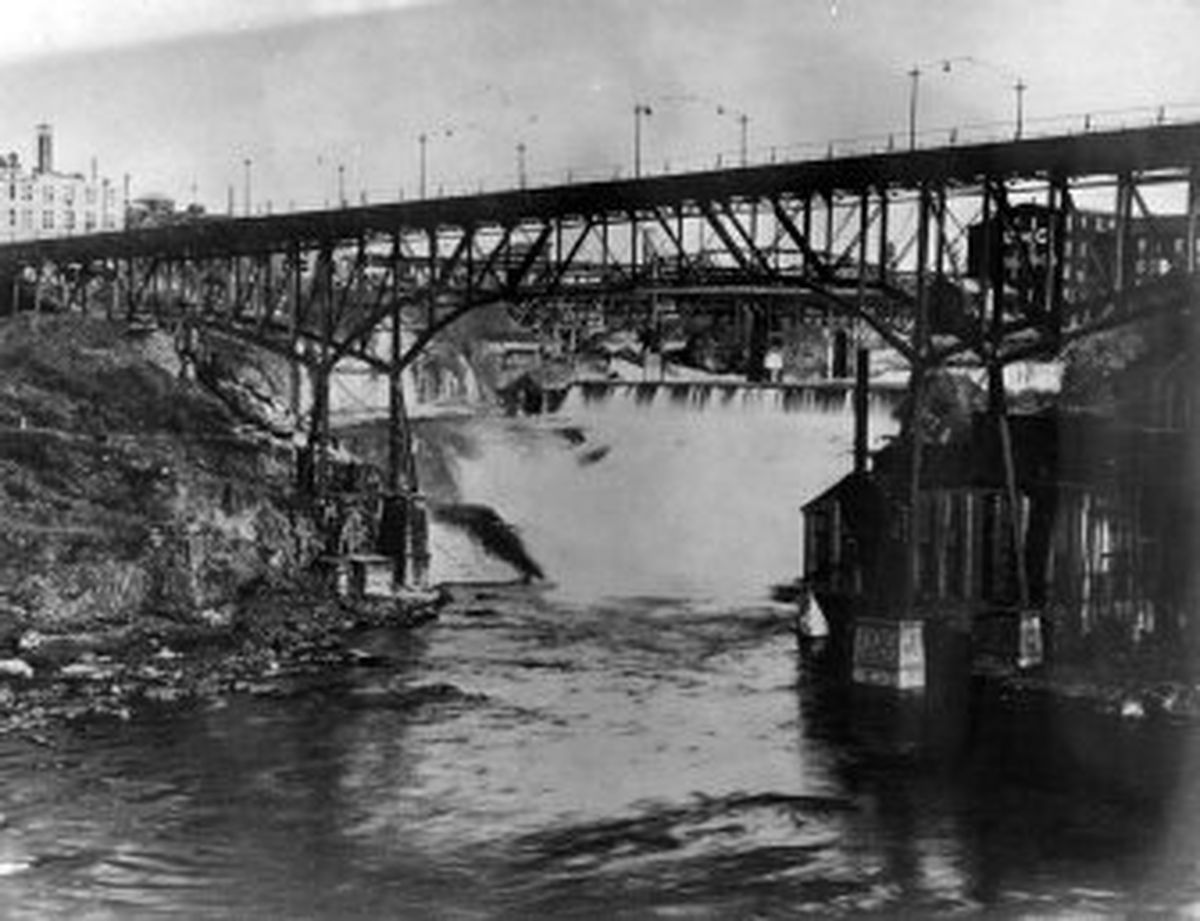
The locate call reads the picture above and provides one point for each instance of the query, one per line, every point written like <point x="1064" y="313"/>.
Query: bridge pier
<point x="404" y="527"/>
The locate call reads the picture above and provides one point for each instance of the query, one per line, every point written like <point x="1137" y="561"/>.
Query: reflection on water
<point x="555" y="753"/>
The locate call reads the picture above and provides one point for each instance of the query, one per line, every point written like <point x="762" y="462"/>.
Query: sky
<point x="180" y="94"/>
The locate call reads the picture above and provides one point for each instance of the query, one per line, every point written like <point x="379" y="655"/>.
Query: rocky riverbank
<point x="152" y="548"/>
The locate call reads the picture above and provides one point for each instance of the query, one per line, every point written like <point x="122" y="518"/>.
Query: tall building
<point x="41" y="202"/>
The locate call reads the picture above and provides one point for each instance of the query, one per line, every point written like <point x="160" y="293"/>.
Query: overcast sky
<point x="179" y="93"/>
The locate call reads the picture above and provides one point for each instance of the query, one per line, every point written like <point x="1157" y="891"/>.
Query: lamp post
<point x="915" y="77"/>
<point x="639" y="110"/>
<point x="247" y="163"/>
<point x="1020" y="87"/>
<point x="341" y="185"/>
<point x="743" y="132"/>
<point x="521" y="165"/>
<point x="423" y="140"/>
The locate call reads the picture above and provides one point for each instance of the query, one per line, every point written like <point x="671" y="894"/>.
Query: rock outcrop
<point x="127" y="490"/>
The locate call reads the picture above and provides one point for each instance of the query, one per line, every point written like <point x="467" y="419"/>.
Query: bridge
<point x="999" y="251"/>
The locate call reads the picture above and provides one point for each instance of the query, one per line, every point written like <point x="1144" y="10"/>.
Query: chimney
<point x="45" y="149"/>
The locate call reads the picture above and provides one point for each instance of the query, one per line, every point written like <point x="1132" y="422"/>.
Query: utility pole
<point x="423" y="140"/>
<point x="1020" y="86"/>
<point x="246" y="201"/>
<point x="639" y="110"/>
<point x="915" y="76"/>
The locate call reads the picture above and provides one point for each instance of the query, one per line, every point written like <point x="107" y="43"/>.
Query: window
<point x="89" y="221"/>
<point x="47" y="219"/>
<point x="69" y="195"/>
<point x="69" y="220"/>
<point x="27" y="219"/>
<point x="47" y="193"/>
<point x="27" y="191"/>
<point x="90" y="195"/>
<point x="12" y="217"/>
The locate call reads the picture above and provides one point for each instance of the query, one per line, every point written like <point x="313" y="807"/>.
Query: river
<point x="640" y="737"/>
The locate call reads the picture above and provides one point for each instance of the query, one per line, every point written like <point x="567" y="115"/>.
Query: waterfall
<point x="665" y="489"/>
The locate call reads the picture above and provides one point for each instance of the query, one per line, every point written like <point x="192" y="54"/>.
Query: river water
<point x="641" y="737"/>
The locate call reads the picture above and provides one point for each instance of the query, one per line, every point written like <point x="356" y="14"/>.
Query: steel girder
<point x="883" y="239"/>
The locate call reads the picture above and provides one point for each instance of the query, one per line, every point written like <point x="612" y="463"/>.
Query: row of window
<point x="24" y="220"/>
<point x="1143" y="245"/>
<point x="24" y="191"/>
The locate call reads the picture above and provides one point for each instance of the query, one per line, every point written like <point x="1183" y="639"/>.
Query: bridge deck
<point x="1113" y="153"/>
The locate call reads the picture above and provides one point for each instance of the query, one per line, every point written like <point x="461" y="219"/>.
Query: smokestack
<point x="45" y="149"/>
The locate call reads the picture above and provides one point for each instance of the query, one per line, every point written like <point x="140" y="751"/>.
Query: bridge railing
<point x="1099" y="120"/>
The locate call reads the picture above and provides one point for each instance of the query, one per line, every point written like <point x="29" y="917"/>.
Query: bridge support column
<point x="1193" y="217"/>
<point x="756" y="351"/>
<point x="314" y="467"/>
<point x="404" y="528"/>
<point x="862" y="406"/>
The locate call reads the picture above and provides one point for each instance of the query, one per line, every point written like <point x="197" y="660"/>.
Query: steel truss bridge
<point x="954" y="251"/>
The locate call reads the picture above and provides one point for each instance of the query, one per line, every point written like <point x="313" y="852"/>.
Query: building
<point x="1154" y="247"/>
<point x="41" y="202"/>
<point x="1095" y="525"/>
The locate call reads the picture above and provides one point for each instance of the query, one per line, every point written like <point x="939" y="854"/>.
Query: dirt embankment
<point x="136" y="511"/>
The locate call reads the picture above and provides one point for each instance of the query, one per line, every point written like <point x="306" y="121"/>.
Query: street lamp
<point x="1019" y="85"/>
<point x="915" y="77"/>
<point x="341" y="185"/>
<point x="423" y="140"/>
<point x="521" y="165"/>
<point x="743" y="131"/>
<point x="246" y="163"/>
<point x="639" y="110"/>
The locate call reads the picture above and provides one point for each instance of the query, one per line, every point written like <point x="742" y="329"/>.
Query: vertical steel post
<point x="917" y="402"/>
<point x="297" y="290"/>
<point x="862" y="406"/>
<point x="806" y="230"/>
<point x="114" y="291"/>
<point x="829" y="205"/>
<point x="883" y="235"/>
<point x="321" y="374"/>
<point x="399" y="489"/>
<point x="1057" y="203"/>
<point x="864" y="220"/>
<point x="992" y="292"/>
<point x="1193" y="218"/>
<point x="431" y="238"/>
<point x="1124" y="208"/>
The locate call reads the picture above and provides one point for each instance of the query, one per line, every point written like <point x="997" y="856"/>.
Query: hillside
<point x="125" y="489"/>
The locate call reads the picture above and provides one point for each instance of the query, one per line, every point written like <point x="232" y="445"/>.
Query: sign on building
<point x="1016" y="251"/>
